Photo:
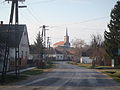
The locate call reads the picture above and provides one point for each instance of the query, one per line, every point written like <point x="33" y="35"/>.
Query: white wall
<point x="12" y="53"/>
<point x="59" y="56"/>
<point x="24" y="45"/>
<point x="85" y="60"/>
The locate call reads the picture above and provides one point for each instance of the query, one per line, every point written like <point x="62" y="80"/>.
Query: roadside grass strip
<point x="11" y="79"/>
<point x="115" y="74"/>
<point x="89" y="66"/>
<point x="33" y="72"/>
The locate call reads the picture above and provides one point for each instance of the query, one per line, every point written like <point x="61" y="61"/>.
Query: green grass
<point x="73" y="63"/>
<point x="81" y="65"/>
<point x="48" y="66"/>
<point x="8" y="79"/>
<point x="89" y="66"/>
<point x="37" y="71"/>
<point x="114" y="73"/>
<point x="104" y="66"/>
<point x="11" y="79"/>
<point x="33" y="72"/>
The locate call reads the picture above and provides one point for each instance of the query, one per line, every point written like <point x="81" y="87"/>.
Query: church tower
<point x="66" y="39"/>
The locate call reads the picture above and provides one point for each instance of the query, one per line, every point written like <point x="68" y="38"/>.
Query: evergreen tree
<point x="112" y="38"/>
<point x="38" y="44"/>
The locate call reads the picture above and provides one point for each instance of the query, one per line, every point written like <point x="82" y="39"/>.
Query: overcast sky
<point x="81" y="17"/>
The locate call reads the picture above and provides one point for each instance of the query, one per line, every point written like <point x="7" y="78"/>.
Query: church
<point x="65" y="43"/>
<point x="60" y="49"/>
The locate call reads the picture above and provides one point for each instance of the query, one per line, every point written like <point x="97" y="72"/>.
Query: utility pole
<point x="48" y="48"/>
<point x="14" y="8"/>
<point x="48" y="42"/>
<point x="44" y="38"/>
<point x="44" y="34"/>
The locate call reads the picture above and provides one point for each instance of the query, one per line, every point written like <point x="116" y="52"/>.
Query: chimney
<point x="1" y="23"/>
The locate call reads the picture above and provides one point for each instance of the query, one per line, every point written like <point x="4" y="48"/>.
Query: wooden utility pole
<point x="14" y="8"/>
<point x="44" y="39"/>
<point x="48" y="42"/>
<point x="44" y="34"/>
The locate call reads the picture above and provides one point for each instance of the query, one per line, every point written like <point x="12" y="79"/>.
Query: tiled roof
<point x="61" y="43"/>
<point x="58" y="52"/>
<point x="71" y="52"/>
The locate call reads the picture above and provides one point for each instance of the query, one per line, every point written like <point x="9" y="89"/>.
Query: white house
<point x="85" y="60"/>
<point x="59" y="54"/>
<point x="19" y="38"/>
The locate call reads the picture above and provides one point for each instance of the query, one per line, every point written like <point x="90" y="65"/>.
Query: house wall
<point x="23" y="50"/>
<point x="59" y="57"/>
<point x="85" y="60"/>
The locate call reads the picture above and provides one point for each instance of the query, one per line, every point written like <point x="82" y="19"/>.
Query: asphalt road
<point x="67" y="77"/>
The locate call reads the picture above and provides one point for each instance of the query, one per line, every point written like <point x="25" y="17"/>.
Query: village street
<point x="67" y="77"/>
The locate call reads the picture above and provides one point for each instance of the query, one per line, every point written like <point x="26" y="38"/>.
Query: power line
<point x="45" y="1"/>
<point x="2" y="2"/>
<point x="33" y="15"/>
<point x="85" y="21"/>
<point x="25" y="17"/>
<point x="37" y="17"/>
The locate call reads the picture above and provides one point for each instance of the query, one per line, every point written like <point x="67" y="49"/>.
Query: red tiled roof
<point x="59" y="43"/>
<point x="72" y="52"/>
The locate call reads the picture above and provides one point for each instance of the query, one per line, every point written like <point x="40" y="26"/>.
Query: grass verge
<point x="113" y="73"/>
<point x="8" y="79"/>
<point x="11" y="79"/>
<point x="35" y="71"/>
<point x="89" y="66"/>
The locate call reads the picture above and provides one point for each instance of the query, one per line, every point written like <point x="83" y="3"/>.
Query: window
<point x="58" y="57"/>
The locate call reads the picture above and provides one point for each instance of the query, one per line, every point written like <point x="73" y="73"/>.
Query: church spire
<point x="66" y="31"/>
<point x="66" y="39"/>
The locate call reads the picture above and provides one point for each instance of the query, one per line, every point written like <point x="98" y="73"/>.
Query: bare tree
<point x="78" y="45"/>
<point x="97" y="50"/>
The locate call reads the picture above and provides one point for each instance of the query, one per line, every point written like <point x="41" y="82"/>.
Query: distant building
<point x="58" y="54"/>
<point x="22" y="41"/>
<point x="85" y="60"/>
<point x="60" y="49"/>
<point x="65" y="43"/>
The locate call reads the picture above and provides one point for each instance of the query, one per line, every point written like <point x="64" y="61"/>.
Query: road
<point x="67" y="77"/>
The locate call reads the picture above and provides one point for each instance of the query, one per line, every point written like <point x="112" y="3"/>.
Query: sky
<point x="82" y="17"/>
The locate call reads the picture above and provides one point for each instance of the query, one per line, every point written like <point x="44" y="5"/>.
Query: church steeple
<point x="66" y="39"/>
<point x="66" y="31"/>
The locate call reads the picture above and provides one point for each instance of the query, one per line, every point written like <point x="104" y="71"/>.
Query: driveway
<point x="67" y="77"/>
